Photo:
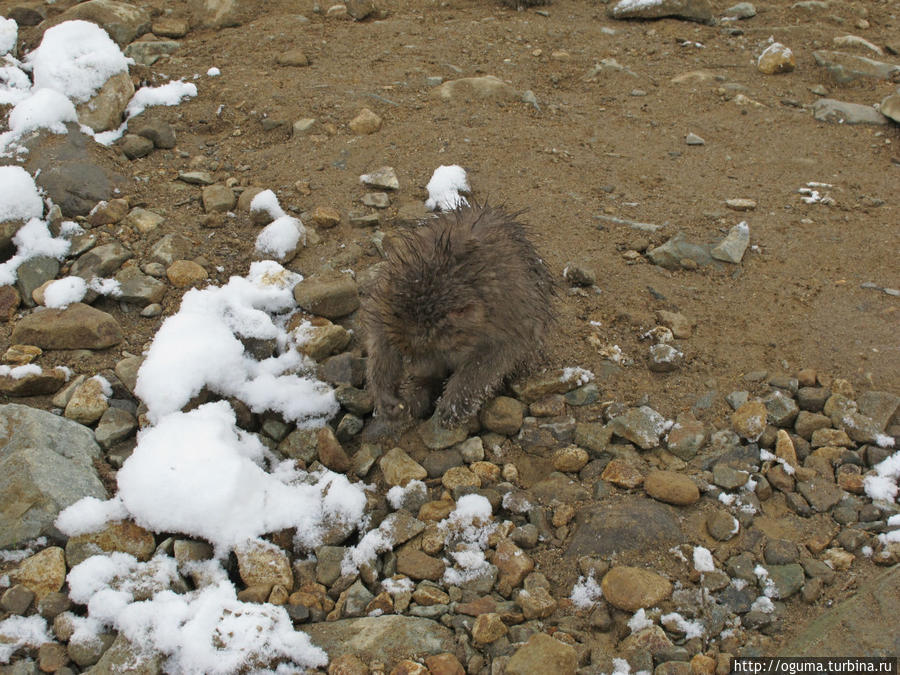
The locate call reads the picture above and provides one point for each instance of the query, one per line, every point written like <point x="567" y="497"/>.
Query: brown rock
<point x="514" y="565"/>
<point x="444" y="664"/>
<point x="34" y="384"/>
<point x="503" y="415"/>
<point x="292" y="57"/>
<point x="702" y="664"/>
<point x="331" y="452"/>
<point x="366" y="122"/>
<point x="681" y="326"/>
<point x="186" y="273"/>
<point x="784" y="448"/>
<point x="570" y="459"/>
<point x="631" y="588"/>
<point x="122" y="535"/>
<point x="260" y="562"/>
<point x="542" y="655"/>
<point x="488" y="628"/>
<point x="20" y="355"/>
<point x="749" y="421"/>
<point x="418" y="565"/>
<point x="671" y="487"/>
<point x="347" y="664"/>
<point x="460" y="476"/>
<point x="436" y="510"/>
<point x="42" y="573"/>
<point x="9" y="302"/>
<point x="619" y="472"/>
<point x="108" y="212"/>
<point x="78" y="326"/>
<point x="399" y="468"/>
<point x="326" y="216"/>
<point x="776" y="59"/>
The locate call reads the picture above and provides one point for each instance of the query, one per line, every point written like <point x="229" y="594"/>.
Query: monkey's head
<point x="432" y="293"/>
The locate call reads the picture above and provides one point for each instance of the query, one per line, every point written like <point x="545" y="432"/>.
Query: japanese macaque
<point x="462" y="303"/>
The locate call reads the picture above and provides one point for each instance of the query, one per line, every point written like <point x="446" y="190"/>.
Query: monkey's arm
<point x="384" y="371"/>
<point x="475" y="380"/>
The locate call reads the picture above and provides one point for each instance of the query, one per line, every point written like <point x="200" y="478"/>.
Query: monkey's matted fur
<point x="462" y="303"/>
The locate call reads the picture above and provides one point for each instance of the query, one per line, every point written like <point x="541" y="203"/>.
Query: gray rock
<point x="46" y="464"/>
<point x="642" y="426"/>
<point x="879" y="406"/>
<point x="115" y="425"/>
<point x="846" y="68"/>
<point x="487" y="87"/>
<point x="742" y="10"/>
<point x="331" y="298"/>
<point x="219" y="13"/>
<point x="106" y="109"/>
<point x="781" y="410"/>
<point x="858" y="625"/>
<point x="65" y="168"/>
<point x="673" y="254"/>
<point x="33" y="273"/>
<point x="820" y="493"/>
<point x="839" y="112"/>
<point x="148" y="52"/>
<point x="218" y="199"/>
<point x="125" y="657"/>
<point x="123" y="21"/>
<point x="633" y="523"/>
<point x="161" y="133"/>
<point x="388" y="638"/>
<point x="721" y="525"/>
<point x="691" y="10"/>
<point x="170" y="248"/>
<point x="729" y="478"/>
<point x="79" y="326"/>
<point x="196" y="177"/>
<point x="135" y="146"/>
<point x="558" y="487"/>
<point x="356" y="598"/>
<point x="890" y="106"/>
<point x="665" y="358"/>
<point x="788" y="579"/>
<point x="143" y="220"/>
<point x="101" y="261"/>
<point x="384" y="177"/>
<point x="694" y="139"/>
<point x="731" y="249"/>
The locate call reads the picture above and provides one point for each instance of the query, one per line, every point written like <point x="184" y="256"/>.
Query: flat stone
<point x="293" y="57"/>
<point x="487" y="87"/>
<point x="387" y="639"/>
<point x="855" y="625"/>
<point x="631" y="588"/>
<point x="841" y="112"/>
<point x="321" y="339"/>
<point x="169" y="27"/>
<point x="437" y="437"/>
<point x="419" y="565"/>
<point x="671" y="487"/>
<point x="513" y="564"/>
<point x="890" y="106"/>
<point x="721" y="525"/>
<point x="42" y="573"/>
<point x="557" y="486"/>
<point x="330" y="451"/>
<point x="138" y="288"/>
<point x="100" y="261"/>
<point x="143" y="220"/>
<point x="78" y="326"/>
<point x="664" y="358"/>
<point x="135" y="147"/>
<point x="686" y="437"/>
<point x="33" y="384"/>
<point x="125" y="657"/>
<point x="633" y="523"/>
<point x="691" y="10"/>
<point x="820" y="493"/>
<point x="383" y="177"/>
<point x="196" y="177"/>
<point x="845" y="68"/>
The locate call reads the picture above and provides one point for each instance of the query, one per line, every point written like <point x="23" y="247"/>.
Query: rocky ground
<point x="742" y="382"/>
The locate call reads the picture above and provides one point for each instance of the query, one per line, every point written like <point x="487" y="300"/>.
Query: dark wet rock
<point x="100" y="261"/>
<point x="46" y="464"/>
<point x="630" y="524"/>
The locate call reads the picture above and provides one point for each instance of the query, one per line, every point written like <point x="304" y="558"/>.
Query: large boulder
<point x="46" y="464"/>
